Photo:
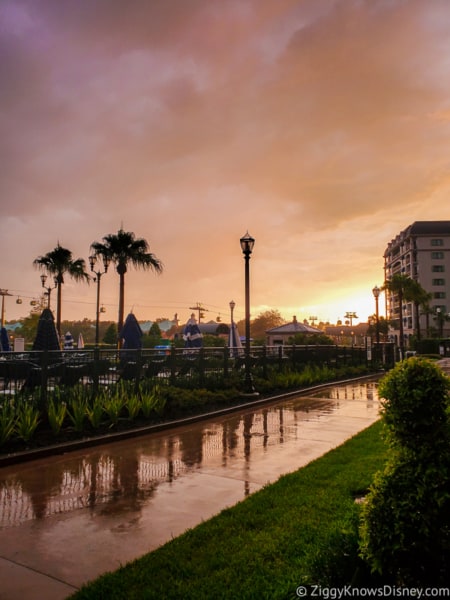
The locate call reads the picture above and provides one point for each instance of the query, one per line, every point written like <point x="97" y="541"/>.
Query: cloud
<point x="321" y="127"/>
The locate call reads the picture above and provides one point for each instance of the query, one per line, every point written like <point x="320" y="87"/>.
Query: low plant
<point x="56" y="414"/>
<point x="148" y="402"/>
<point x="133" y="406"/>
<point x="77" y="408"/>
<point x="95" y="410"/>
<point x="113" y="405"/>
<point x="27" y="420"/>
<point x="7" y="422"/>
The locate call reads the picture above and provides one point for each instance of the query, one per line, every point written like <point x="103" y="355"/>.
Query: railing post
<point x="44" y="378"/>
<point x="201" y="365"/>
<point x="264" y="361"/>
<point x="280" y="359"/>
<point x="226" y="354"/>
<point x="173" y="364"/>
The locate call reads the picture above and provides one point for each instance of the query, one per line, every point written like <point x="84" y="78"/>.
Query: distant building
<point x="421" y="252"/>
<point x="346" y="335"/>
<point x="214" y="328"/>
<point x="278" y="336"/>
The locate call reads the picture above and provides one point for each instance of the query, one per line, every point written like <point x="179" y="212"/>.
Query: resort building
<point x="421" y="252"/>
<point x="279" y="336"/>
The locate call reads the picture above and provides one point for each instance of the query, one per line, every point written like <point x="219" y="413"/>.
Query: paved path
<point x="444" y="363"/>
<point x="64" y="520"/>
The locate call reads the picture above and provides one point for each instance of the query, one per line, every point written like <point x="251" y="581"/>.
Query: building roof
<point x="429" y="227"/>
<point x="214" y="328"/>
<point x="293" y="328"/>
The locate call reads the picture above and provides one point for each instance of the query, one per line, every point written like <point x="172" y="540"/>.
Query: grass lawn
<point x="300" y="530"/>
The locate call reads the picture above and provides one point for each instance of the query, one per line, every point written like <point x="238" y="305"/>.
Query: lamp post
<point x="48" y="289"/>
<point x="247" y="243"/>
<point x="376" y="294"/>
<point x="4" y="293"/>
<point x="97" y="278"/>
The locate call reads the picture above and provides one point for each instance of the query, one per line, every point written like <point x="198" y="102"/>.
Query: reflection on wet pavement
<point x="90" y="511"/>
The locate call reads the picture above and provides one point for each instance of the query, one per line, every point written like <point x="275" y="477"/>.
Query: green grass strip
<point x="266" y="545"/>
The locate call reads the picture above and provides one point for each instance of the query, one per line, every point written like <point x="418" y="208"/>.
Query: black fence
<point x="38" y="372"/>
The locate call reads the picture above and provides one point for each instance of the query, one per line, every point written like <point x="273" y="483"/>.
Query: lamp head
<point x="247" y="243"/>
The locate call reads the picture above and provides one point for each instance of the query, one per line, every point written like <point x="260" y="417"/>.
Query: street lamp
<point x="247" y="243"/>
<point x="376" y="294"/>
<point x="4" y="293"/>
<point x="48" y="289"/>
<point x="97" y="278"/>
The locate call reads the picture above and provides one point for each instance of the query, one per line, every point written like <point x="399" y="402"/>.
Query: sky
<point x="321" y="127"/>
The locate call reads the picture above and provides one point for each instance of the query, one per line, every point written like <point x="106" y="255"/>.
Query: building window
<point x="437" y="242"/>
<point x="438" y="268"/>
<point x="438" y="282"/>
<point x="437" y="255"/>
<point x="438" y="295"/>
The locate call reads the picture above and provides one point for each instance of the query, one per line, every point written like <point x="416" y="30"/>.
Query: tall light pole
<point x="247" y="243"/>
<point x="4" y="293"/>
<point x="376" y="294"/>
<point x="48" y="289"/>
<point x="97" y="278"/>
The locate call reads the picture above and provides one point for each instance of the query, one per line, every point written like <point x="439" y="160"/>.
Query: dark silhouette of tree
<point x="57" y="263"/>
<point x="123" y="248"/>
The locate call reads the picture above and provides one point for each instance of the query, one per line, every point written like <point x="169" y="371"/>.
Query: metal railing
<point x="41" y="371"/>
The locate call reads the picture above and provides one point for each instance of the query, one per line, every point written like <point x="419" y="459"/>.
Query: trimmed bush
<point x="405" y="529"/>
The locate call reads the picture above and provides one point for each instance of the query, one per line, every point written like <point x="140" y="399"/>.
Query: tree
<point x="407" y="289"/>
<point x="123" y="248"/>
<point x="57" y="263"/>
<point x="110" y="336"/>
<point x="421" y="298"/>
<point x="264" y="321"/>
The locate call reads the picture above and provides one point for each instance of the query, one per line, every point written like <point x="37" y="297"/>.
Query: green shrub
<point x="27" y="421"/>
<point x="94" y="409"/>
<point x="405" y="526"/>
<point x="56" y="413"/>
<point x="7" y="422"/>
<point x="77" y="403"/>
<point x="414" y="409"/>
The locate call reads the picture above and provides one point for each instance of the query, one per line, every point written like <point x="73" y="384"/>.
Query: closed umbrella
<point x="192" y="335"/>
<point x="131" y="333"/>
<point x="80" y="341"/>
<point x="68" y="341"/>
<point x="46" y="334"/>
<point x="4" y="340"/>
<point x="234" y="341"/>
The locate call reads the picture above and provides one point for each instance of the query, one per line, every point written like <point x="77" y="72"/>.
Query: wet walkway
<point x="65" y="520"/>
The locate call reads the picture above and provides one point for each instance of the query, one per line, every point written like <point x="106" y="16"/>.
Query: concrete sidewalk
<point x="69" y="518"/>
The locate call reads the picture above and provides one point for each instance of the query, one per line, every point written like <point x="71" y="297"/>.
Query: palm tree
<point x="421" y="299"/>
<point x="123" y="248"/>
<point x="57" y="263"/>
<point x="399" y="285"/>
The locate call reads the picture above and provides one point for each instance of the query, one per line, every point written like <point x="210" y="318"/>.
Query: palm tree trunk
<point x="121" y="306"/>
<point x="417" y="312"/>
<point x="401" y="341"/>
<point x="58" y="309"/>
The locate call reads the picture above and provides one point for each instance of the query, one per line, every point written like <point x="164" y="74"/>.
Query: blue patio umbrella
<point x="234" y="341"/>
<point x="192" y="335"/>
<point x="4" y="340"/>
<point x="131" y="333"/>
<point x="46" y="335"/>
<point x="68" y="341"/>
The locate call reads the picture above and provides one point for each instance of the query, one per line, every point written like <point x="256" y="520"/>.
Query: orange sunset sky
<point x="320" y="126"/>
